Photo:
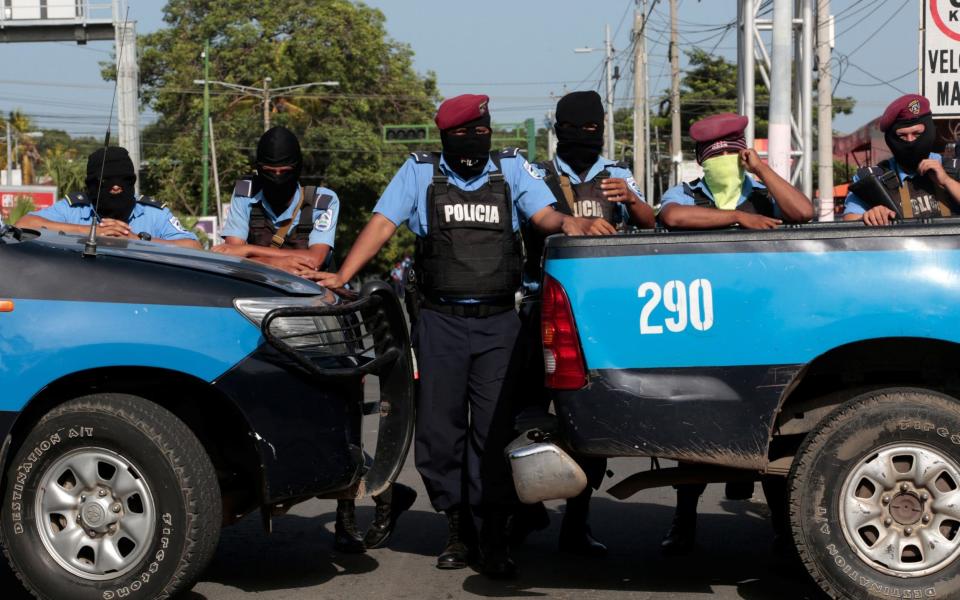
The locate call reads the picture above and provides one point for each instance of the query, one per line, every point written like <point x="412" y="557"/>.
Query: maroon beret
<point x="461" y="109"/>
<point x="904" y="108"/>
<point x="717" y="127"/>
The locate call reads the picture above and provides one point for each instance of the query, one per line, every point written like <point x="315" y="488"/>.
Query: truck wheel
<point x="875" y="497"/>
<point x="110" y="496"/>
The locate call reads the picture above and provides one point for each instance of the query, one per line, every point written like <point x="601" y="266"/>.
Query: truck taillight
<point x="562" y="357"/>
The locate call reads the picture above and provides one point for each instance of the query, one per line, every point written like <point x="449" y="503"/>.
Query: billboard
<point x="940" y="56"/>
<point x="42" y="196"/>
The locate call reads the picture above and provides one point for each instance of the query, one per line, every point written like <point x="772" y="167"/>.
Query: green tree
<point x="23" y="206"/>
<point x="65" y="168"/>
<point x="293" y="42"/>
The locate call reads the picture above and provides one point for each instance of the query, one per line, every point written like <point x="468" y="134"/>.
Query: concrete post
<point x="824" y="112"/>
<point x="780" y="77"/>
<point x="128" y="104"/>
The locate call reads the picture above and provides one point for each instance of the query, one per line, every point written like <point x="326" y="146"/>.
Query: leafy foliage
<point x="293" y="42"/>
<point x="65" y="168"/>
<point x="23" y="206"/>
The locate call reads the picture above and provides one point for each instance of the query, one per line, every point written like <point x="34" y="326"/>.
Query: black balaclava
<point x="909" y="154"/>
<point x="467" y="154"/>
<point x="278" y="147"/>
<point x="576" y="147"/>
<point x="117" y="170"/>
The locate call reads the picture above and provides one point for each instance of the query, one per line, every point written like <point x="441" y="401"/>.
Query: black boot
<point x="495" y="561"/>
<point x="456" y="553"/>
<point x="681" y="538"/>
<point x="390" y="506"/>
<point x="346" y="538"/>
<point x="575" y="535"/>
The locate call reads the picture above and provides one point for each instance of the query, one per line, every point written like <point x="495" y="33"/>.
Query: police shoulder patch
<point x="532" y="170"/>
<point x="324" y="222"/>
<point x="509" y="153"/>
<point x="632" y="184"/>
<point x="77" y="199"/>
<point x="176" y="223"/>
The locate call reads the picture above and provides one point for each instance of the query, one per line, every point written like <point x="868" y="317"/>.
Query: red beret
<point x="904" y="108"/>
<point x="461" y="109"/>
<point x="717" y="127"/>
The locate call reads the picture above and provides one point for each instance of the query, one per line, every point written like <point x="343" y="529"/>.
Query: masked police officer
<point x="110" y="198"/>
<point x="276" y="221"/>
<point x="588" y="185"/>
<point x="912" y="183"/>
<point x="464" y="205"/>
<point x="726" y="195"/>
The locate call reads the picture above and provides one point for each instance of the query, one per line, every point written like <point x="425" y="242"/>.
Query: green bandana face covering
<point x="724" y="177"/>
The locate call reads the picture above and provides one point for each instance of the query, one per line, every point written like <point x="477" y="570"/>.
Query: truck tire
<point x="110" y="496"/>
<point x="875" y="497"/>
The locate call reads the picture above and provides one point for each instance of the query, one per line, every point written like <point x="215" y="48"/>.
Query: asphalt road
<point x="734" y="558"/>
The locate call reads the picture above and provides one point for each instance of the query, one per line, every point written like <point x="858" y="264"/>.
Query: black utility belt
<point x="479" y="309"/>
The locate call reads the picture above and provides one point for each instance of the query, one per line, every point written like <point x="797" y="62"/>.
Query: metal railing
<point x="59" y="12"/>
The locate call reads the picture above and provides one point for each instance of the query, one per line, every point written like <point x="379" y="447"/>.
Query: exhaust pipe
<point x="543" y="471"/>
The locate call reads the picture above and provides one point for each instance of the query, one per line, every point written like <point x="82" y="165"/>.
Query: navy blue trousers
<point x="464" y="418"/>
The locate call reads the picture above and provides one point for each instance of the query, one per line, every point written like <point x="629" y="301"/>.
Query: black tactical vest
<point x="261" y="229"/>
<point x="470" y="250"/>
<point x="588" y="198"/>
<point x="758" y="202"/>
<point x="589" y="201"/>
<point x="918" y="197"/>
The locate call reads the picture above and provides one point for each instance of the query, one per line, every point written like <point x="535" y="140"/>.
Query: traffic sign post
<point x="940" y="56"/>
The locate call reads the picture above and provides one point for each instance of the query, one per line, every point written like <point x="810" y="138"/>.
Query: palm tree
<point x="68" y="172"/>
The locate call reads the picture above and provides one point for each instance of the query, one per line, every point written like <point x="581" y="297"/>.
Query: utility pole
<point x="610" y="149"/>
<point x="266" y="102"/>
<point x="9" y="154"/>
<point x="781" y="64"/>
<point x="676" y="152"/>
<point x="128" y="76"/>
<point x="551" y="136"/>
<point x="206" y="128"/>
<point x="639" y="103"/>
<point x="824" y="111"/>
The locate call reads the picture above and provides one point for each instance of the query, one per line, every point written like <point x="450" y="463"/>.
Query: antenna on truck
<point x="90" y="245"/>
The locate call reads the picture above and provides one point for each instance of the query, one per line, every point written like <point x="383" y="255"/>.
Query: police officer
<point x="275" y="220"/>
<point x="726" y="195"/>
<point x="464" y="206"/>
<point x="584" y="184"/>
<point x="109" y="197"/>
<point x="910" y="184"/>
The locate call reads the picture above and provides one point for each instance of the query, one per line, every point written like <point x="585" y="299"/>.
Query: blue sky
<point x="520" y="52"/>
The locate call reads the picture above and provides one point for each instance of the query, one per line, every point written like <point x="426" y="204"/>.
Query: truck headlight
<point x="323" y="334"/>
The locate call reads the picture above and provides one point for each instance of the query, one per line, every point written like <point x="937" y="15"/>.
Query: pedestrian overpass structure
<point x="81" y="21"/>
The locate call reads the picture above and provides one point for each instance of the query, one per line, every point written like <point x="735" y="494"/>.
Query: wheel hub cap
<point x="95" y="513"/>
<point x="906" y="509"/>
<point x="900" y="509"/>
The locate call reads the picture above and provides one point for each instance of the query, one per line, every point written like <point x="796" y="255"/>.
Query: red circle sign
<point x="938" y="19"/>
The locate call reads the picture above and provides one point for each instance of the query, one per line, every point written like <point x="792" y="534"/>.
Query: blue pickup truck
<point x="825" y="355"/>
<point x="150" y="394"/>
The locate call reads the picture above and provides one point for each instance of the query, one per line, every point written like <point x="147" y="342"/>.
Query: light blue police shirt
<point x="602" y="164"/>
<point x="405" y="199"/>
<point x="854" y="205"/>
<point x="159" y="223"/>
<point x="676" y="195"/>
<point x="324" y="221"/>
